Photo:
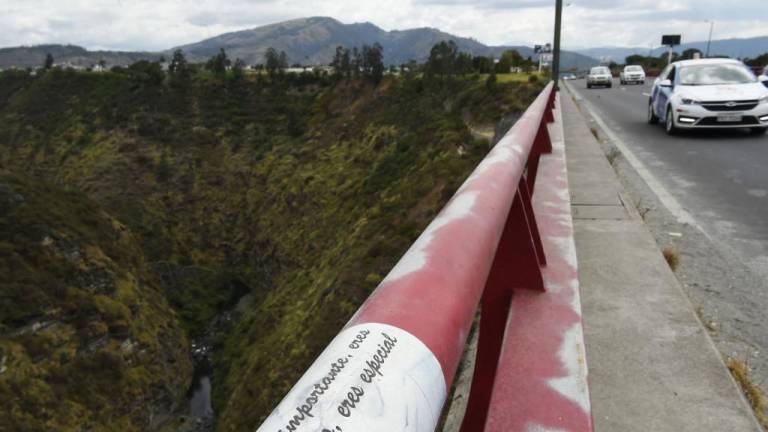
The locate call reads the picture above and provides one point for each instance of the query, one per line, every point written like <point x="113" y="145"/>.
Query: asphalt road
<point x="719" y="177"/>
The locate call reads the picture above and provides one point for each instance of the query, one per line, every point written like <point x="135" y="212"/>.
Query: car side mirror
<point x="665" y="83"/>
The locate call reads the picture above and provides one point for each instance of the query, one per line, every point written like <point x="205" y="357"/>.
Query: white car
<point x="709" y="93"/>
<point x="632" y="74"/>
<point x="599" y="76"/>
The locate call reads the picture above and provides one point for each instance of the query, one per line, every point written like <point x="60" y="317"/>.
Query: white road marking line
<point x="666" y="198"/>
<point x="647" y="94"/>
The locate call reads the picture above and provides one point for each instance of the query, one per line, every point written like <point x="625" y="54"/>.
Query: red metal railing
<point x="392" y="366"/>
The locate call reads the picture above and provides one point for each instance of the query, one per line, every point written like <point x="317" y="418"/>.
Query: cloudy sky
<point x="160" y="24"/>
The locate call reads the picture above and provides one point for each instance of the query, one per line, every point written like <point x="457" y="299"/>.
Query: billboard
<point x="670" y="40"/>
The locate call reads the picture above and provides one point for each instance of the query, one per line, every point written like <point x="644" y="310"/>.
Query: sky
<point x="160" y="24"/>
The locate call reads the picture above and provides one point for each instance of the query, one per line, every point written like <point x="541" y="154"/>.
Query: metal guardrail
<point x="392" y="366"/>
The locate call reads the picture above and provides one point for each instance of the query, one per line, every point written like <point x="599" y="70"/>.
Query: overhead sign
<point x="670" y="40"/>
<point x="542" y="48"/>
<point x="546" y="57"/>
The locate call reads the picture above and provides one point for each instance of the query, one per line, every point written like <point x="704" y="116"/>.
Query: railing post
<point x="515" y="266"/>
<point x="541" y="145"/>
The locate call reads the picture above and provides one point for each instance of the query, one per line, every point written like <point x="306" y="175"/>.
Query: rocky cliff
<point x="289" y="198"/>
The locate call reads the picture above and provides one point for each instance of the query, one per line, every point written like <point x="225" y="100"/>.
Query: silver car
<point x="632" y="74"/>
<point x="600" y="76"/>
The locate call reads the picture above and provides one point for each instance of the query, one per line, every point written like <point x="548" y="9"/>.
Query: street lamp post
<point x="709" y="41"/>
<point x="556" y="52"/>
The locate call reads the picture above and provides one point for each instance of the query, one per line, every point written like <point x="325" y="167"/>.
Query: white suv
<point x="599" y="76"/>
<point x="709" y="93"/>
<point x="632" y="74"/>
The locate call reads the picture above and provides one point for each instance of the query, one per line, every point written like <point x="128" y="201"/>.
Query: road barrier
<point x="392" y="366"/>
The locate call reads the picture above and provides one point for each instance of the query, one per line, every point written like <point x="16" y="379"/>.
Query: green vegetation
<point x="87" y="340"/>
<point x="297" y="189"/>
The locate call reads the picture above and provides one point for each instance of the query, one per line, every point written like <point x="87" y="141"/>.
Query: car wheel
<point x="758" y="130"/>
<point x="670" y="123"/>
<point x="652" y="117"/>
<point x="610" y="85"/>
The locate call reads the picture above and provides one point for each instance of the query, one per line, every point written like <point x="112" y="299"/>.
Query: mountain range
<point x="308" y="41"/>
<point x="736" y="48"/>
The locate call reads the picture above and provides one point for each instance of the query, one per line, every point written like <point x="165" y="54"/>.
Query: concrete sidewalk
<point x="652" y="365"/>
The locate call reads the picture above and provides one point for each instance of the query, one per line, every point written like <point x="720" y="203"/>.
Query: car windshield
<point x="714" y="74"/>
<point x="599" y="71"/>
<point x="633" y="69"/>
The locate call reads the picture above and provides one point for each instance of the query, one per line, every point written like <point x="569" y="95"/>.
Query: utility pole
<point x="709" y="41"/>
<point x="556" y="54"/>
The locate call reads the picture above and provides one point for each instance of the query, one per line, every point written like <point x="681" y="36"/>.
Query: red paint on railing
<point x="435" y="298"/>
<point x="484" y="246"/>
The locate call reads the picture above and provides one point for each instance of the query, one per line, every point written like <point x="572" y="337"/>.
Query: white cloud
<point x="160" y="24"/>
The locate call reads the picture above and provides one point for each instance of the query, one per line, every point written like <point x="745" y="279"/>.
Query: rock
<point x="128" y="346"/>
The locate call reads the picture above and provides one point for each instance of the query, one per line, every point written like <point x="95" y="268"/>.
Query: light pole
<point x="709" y="41"/>
<point x="556" y="52"/>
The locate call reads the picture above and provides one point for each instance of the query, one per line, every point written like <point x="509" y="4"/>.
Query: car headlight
<point x="764" y="99"/>
<point x="689" y="101"/>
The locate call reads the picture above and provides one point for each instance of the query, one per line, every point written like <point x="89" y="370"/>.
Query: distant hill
<point x="309" y="41"/>
<point x="736" y="48"/>
<point x="34" y="56"/>
<point x="313" y="41"/>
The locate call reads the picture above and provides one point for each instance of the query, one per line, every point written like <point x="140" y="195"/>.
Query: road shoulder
<point x="652" y="364"/>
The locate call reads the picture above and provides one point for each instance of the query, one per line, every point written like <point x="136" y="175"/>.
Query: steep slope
<point x="290" y="199"/>
<point x="87" y="340"/>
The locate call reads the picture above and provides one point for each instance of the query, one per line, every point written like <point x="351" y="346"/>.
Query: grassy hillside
<point x="298" y="192"/>
<point x="87" y="341"/>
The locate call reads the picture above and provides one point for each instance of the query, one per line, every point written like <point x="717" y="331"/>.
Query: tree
<point x="341" y="64"/>
<point x="690" y="53"/>
<point x="490" y="82"/>
<point x="338" y="72"/>
<point x="509" y="59"/>
<point x="237" y="69"/>
<point x="759" y="61"/>
<point x="464" y="63"/>
<point x="275" y="62"/>
<point x="346" y="63"/>
<point x="356" y="62"/>
<point x="218" y="64"/>
<point x="482" y="64"/>
<point x="48" y="63"/>
<point x="178" y="68"/>
<point x="374" y="61"/>
<point x="147" y="73"/>
<point x="442" y="59"/>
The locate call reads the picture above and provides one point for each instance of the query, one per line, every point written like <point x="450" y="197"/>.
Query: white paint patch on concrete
<point x="531" y="427"/>
<point x="416" y="257"/>
<point x="573" y="385"/>
<point x="567" y="249"/>
<point x="342" y="390"/>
